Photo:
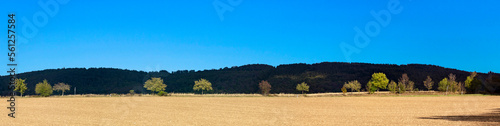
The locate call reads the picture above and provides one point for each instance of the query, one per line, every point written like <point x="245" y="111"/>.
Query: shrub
<point x="114" y="95"/>
<point x="162" y="93"/>
<point x="344" y="90"/>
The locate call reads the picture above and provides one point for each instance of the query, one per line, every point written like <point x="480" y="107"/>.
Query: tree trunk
<point x="62" y="93"/>
<point x="447" y="90"/>
<point x="201" y="92"/>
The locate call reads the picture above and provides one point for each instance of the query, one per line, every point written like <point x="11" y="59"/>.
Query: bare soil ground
<point x="290" y="111"/>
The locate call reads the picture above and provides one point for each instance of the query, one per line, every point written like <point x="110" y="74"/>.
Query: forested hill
<point x="322" y="77"/>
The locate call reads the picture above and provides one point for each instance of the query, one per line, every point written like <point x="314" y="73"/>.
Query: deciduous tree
<point x="20" y="86"/>
<point x="155" y="84"/>
<point x="61" y="87"/>
<point x="453" y="84"/>
<point x="302" y="87"/>
<point x="472" y="83"/>
<point x="410" y="86"/>
<point x="369" y="87"/>
<point x="392" y="87"/>
<point x="379" y="81"/>
<point x="443" y="84"/>
<point x="43" y="88"/>
<point x="353" y="85"/>
<point x="202" y="85"/>
<point x="401" y="88"/>
<point x="428" y="83"/>
<point x="461" y="87"/>
<point x="265" y="87"/>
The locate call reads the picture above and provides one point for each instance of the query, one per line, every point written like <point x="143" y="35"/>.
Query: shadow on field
<point x="486" y="117"/>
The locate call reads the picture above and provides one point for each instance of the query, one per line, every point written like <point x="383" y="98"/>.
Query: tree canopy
<point x="20" y="86"/>
<point x="155" y="84"/>
<point x="43" y="88"/>
<point x="302" y="87"/>
<point x="61" y="87"/>
<point x="379" y="81"/>
<point x="203" y="85"/>
<point x="265" y="87"/>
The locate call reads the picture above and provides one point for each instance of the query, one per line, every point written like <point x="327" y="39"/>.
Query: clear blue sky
<point x="189" y="34"/>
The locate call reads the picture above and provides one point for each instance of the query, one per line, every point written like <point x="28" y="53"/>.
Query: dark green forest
<point x="322" y="77"/>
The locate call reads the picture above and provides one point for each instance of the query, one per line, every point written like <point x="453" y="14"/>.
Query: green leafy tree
<point x="428" y="83"/>
<point x="132" y="92"/>
<point x="155" y="84"/>
<point x="43" y="88"/>
<point x="379" y="81"/>
<point x="61" y="87"/>
<point x="472" y="83"/>
<point x="265" y="87"/>
<point x="353" y="85"/>
<point x="20" y="86"/>
<point x="443" y="84"/>
<point x="392" y="87"/>
<point x="302" y="87"/>
<point x="202" y="85"/>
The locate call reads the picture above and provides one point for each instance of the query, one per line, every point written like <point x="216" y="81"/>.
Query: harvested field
<point x="182" y="111"/>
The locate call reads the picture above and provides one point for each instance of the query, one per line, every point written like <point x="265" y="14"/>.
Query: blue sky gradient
<point x="153" y="35"/>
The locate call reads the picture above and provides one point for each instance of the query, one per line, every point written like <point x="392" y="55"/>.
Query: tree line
<point x="42" y="88"/>
<point x="320" y="77"/>
<point x="378" y="81"/>
<point x="404" y="84"/>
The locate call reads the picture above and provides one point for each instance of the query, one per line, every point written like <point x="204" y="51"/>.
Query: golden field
<point x="253" y="111"/>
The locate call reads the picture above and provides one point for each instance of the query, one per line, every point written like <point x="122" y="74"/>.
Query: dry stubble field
<point x="184" y="111"/>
